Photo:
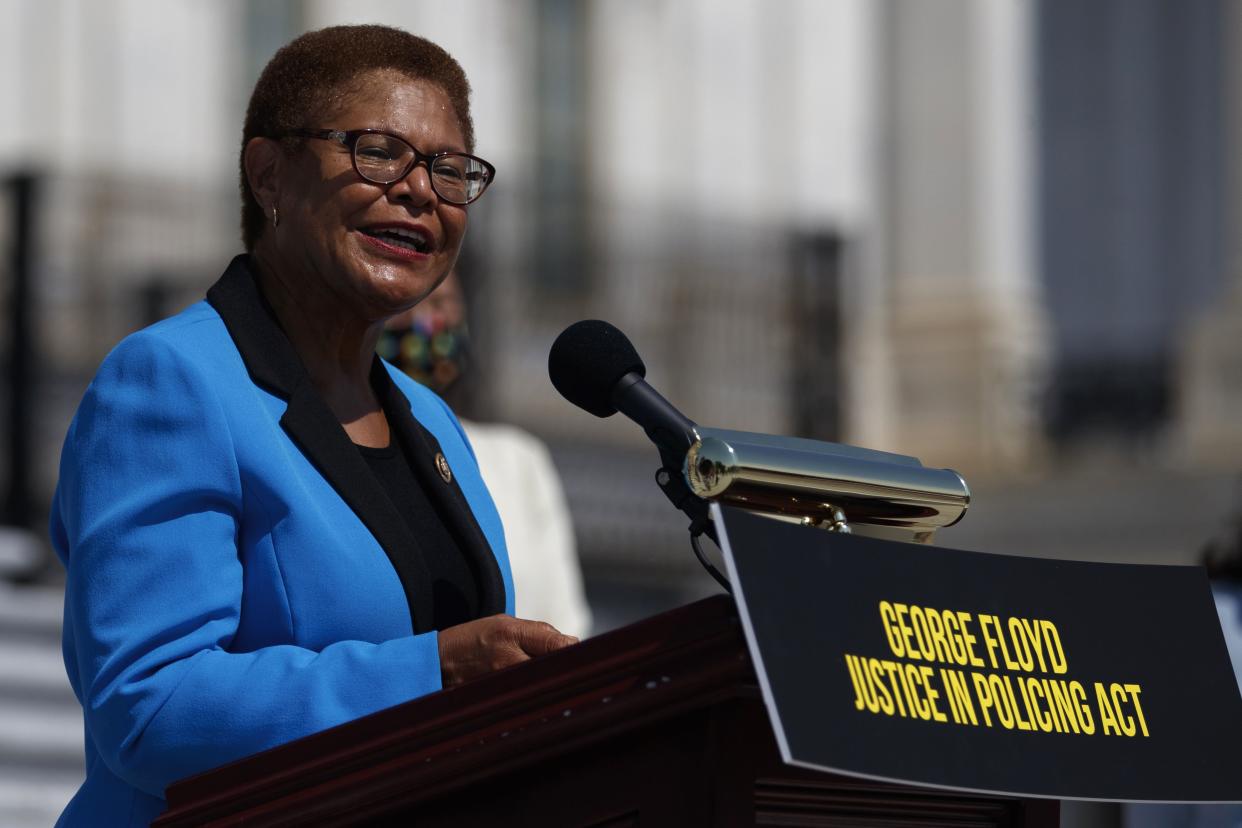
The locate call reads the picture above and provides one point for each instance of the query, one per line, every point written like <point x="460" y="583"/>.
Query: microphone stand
<point x="673" y="434"/>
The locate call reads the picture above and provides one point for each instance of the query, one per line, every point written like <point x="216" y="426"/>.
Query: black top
<point x="455" y="590"/>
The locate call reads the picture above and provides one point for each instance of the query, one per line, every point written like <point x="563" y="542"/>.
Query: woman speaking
<point x="267" y="530"/>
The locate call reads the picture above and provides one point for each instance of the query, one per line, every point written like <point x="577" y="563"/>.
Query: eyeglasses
<point x="456" y="177"/>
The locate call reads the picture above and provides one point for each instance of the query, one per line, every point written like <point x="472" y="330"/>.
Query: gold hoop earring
<point x="275" y="217"/>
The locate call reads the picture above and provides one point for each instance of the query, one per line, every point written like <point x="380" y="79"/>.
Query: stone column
<point x="1209" y="379"/>
<point x="964" y="334"/>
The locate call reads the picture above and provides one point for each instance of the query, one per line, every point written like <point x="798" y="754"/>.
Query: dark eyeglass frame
<point x="349" y="140"/>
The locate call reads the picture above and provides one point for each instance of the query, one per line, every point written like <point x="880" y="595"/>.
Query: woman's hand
<point x="477" y="647"/>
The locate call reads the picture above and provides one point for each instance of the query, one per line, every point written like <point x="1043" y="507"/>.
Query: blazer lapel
<point x="274" y="364"/>
<point x="311" y="424"/>
<point x="446" y="495"/>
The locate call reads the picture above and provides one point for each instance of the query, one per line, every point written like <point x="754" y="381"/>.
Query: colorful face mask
<point x="429" y="351"/>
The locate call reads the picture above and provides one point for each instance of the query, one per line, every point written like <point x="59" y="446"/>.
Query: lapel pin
<point x="442" y="467"/>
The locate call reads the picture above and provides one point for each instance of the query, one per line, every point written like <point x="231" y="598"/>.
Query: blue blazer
<point x="236" y="575"/>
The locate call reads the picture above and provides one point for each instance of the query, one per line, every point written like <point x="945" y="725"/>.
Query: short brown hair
<point x="307" y="73"/>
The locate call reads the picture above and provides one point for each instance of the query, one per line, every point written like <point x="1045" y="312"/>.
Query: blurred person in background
<point x="1223" y="560"/>
<point x="430" y="342"/>
<point x="268" y="531"/>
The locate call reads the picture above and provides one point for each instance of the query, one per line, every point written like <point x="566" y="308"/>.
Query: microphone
<point x="830" y="485"/>
<point x="594" y="366"/>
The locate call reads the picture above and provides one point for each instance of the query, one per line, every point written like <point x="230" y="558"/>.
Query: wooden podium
<point x="659" y="723"/>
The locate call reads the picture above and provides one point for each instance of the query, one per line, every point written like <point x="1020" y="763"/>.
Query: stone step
<point x="46" y="738"/>
<point x="34" y="797"/>
<point x="30" y="613"/>
<point x="33" y="670"/>
<point x="40" y="720"/>
<point x="20" y="551"/>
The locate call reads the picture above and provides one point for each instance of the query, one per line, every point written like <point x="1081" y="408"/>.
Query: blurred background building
<point x="994" y="234"/>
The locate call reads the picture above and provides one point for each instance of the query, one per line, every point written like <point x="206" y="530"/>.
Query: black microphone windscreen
<point x="587" y="361"/>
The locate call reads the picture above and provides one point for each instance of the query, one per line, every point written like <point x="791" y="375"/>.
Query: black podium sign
<point x="987" y="672"/>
